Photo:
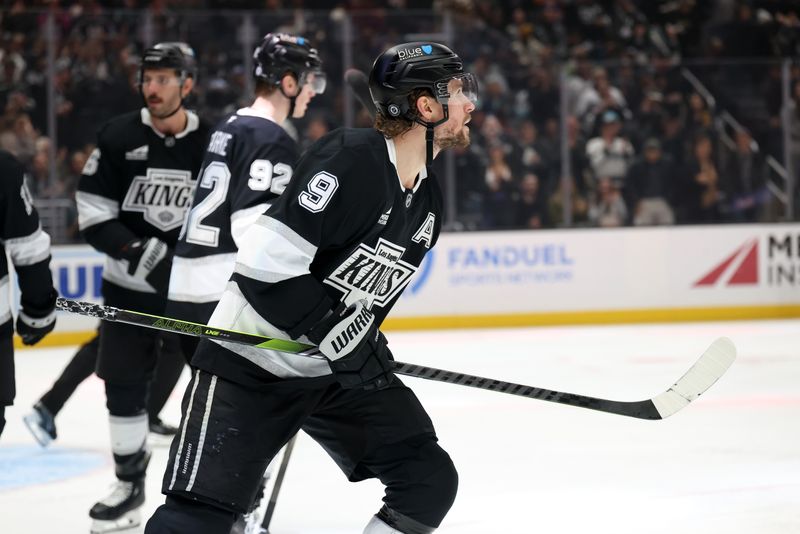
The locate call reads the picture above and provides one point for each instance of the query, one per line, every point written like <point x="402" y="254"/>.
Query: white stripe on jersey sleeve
<point x="272" y="252"/>
<point x="234" y="313"/>
<point x="94" y="209"/>
<point x="242" y="220"/>
<point x="29" y="249"/>
<point x="200" y="279"/>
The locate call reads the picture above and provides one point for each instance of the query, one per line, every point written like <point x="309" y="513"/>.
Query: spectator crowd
<point x="628" y="91"/>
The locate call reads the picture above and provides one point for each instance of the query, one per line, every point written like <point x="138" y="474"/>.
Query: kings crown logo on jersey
<point x="162" y="196"/>
<point x="377" y="275"/>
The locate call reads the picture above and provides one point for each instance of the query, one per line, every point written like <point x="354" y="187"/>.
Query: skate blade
<point x="124" y="522"/>
<point x="32" y="422"/>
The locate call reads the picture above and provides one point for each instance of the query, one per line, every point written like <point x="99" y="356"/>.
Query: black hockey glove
<point x="358" y="353"/>
<point x="149" y="259"/>
<point x="36" y="321"/>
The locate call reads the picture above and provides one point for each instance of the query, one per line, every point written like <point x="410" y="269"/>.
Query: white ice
<point x="727" y="464"/>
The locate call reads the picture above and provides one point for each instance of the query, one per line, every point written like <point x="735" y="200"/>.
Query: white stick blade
<point x="707" y="370"/>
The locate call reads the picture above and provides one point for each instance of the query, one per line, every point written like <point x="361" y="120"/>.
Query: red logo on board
<point x="740" y="268"/>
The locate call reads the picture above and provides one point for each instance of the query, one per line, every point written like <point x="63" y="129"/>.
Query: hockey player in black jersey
<point x="249" y="161"/>
<point x="324" y="265"/>
<point x="28" y="247"/>
<point x="132" y="199"/>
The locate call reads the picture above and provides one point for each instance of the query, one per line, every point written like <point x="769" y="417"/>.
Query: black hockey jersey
<point x="345" y="229"/>
<point x="22" y="237"/>
<point x="137" y="183"/>
<point x="248" y="163"/>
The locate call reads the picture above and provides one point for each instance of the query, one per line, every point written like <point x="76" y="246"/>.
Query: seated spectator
<point x="744" y="181"/>
<point x="579" y="207"/>
<point x="700" y="195"/>
<point x="598" y="99"/>
<point x="20" y="139"/>
<point x="608" y="210"/>
<point x="530" y="154"/>
<point x="531" y="211"/>
<point x="610" y="154"/>
<point x="650" y="187"/>
<point x="499" y="204"/>
<point x="470" y="186"/>
<point x="699" y="119"/>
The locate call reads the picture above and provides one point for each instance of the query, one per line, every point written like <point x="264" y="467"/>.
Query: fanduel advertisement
<point x="599" y="270"/>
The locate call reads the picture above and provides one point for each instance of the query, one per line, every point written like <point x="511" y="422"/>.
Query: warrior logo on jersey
<point x="377" y="275"/>
<point x="162" y="196"/>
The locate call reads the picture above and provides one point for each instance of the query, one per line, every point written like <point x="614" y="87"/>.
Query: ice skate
<point x="120" y="510"/>
<point x="41" y="424"/>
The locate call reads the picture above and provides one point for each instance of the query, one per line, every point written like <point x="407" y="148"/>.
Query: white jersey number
<point x="319" y="192"/>
<point x="216" y="177"/>
<point x="264" y="175"/>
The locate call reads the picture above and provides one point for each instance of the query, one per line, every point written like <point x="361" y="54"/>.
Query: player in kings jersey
<point x="248" y="162"/>
<point x="324" y="265"/>
<point x="132" y="199"/>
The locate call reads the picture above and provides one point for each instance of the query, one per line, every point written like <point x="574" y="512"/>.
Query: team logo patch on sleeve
<point x="162" y="197"/>
<point x="377" y="275"/>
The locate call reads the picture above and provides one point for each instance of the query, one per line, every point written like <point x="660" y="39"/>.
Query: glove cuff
<point x="39" y="309"/>
<point x="37" y="322"/>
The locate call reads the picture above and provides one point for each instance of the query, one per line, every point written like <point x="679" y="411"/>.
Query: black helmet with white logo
<point x="279" y="53"/>
<point x="418" y="65"/>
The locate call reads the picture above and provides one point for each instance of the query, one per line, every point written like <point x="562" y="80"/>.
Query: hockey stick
<point x="711" y="365"/>
<point x="276" y="488"/>
<point x="359" y="84"/>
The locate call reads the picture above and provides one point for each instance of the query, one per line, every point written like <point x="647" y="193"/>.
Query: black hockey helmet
<point x="418" y="65"/>
<point x="170" y="55"/>
<point x="279" y="53"/>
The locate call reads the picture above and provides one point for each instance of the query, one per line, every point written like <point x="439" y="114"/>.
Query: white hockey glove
<point x="358" y="352"/>
<point x="149" y="259"/>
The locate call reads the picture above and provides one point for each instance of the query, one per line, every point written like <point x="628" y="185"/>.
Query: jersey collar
<point x="192" y="123"/>
<point x="423" y="173"/>
<point x="250" y="112"/>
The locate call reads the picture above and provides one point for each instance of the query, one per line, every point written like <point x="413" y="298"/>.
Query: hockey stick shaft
<point x="708" y="369"/>
<point x="276" y="488"/>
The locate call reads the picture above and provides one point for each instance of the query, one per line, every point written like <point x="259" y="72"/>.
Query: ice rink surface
<point x="727" y="464"/>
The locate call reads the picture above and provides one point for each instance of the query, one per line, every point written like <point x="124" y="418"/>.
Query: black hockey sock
<point x="179" y="516"/>
<point x="402" y="523"/>
<point x="79" y="368"/>
<point x="167" y="373"/>
<point x="131" y="467"/>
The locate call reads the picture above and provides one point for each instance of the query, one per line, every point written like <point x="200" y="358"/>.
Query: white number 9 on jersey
<point x="319" y="191"/>
<point x="264" y="175"/>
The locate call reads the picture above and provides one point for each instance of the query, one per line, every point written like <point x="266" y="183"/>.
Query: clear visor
<point x="457" y="90"/>
<point x="316" y="80"/>
<point x="161" y="78"/>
